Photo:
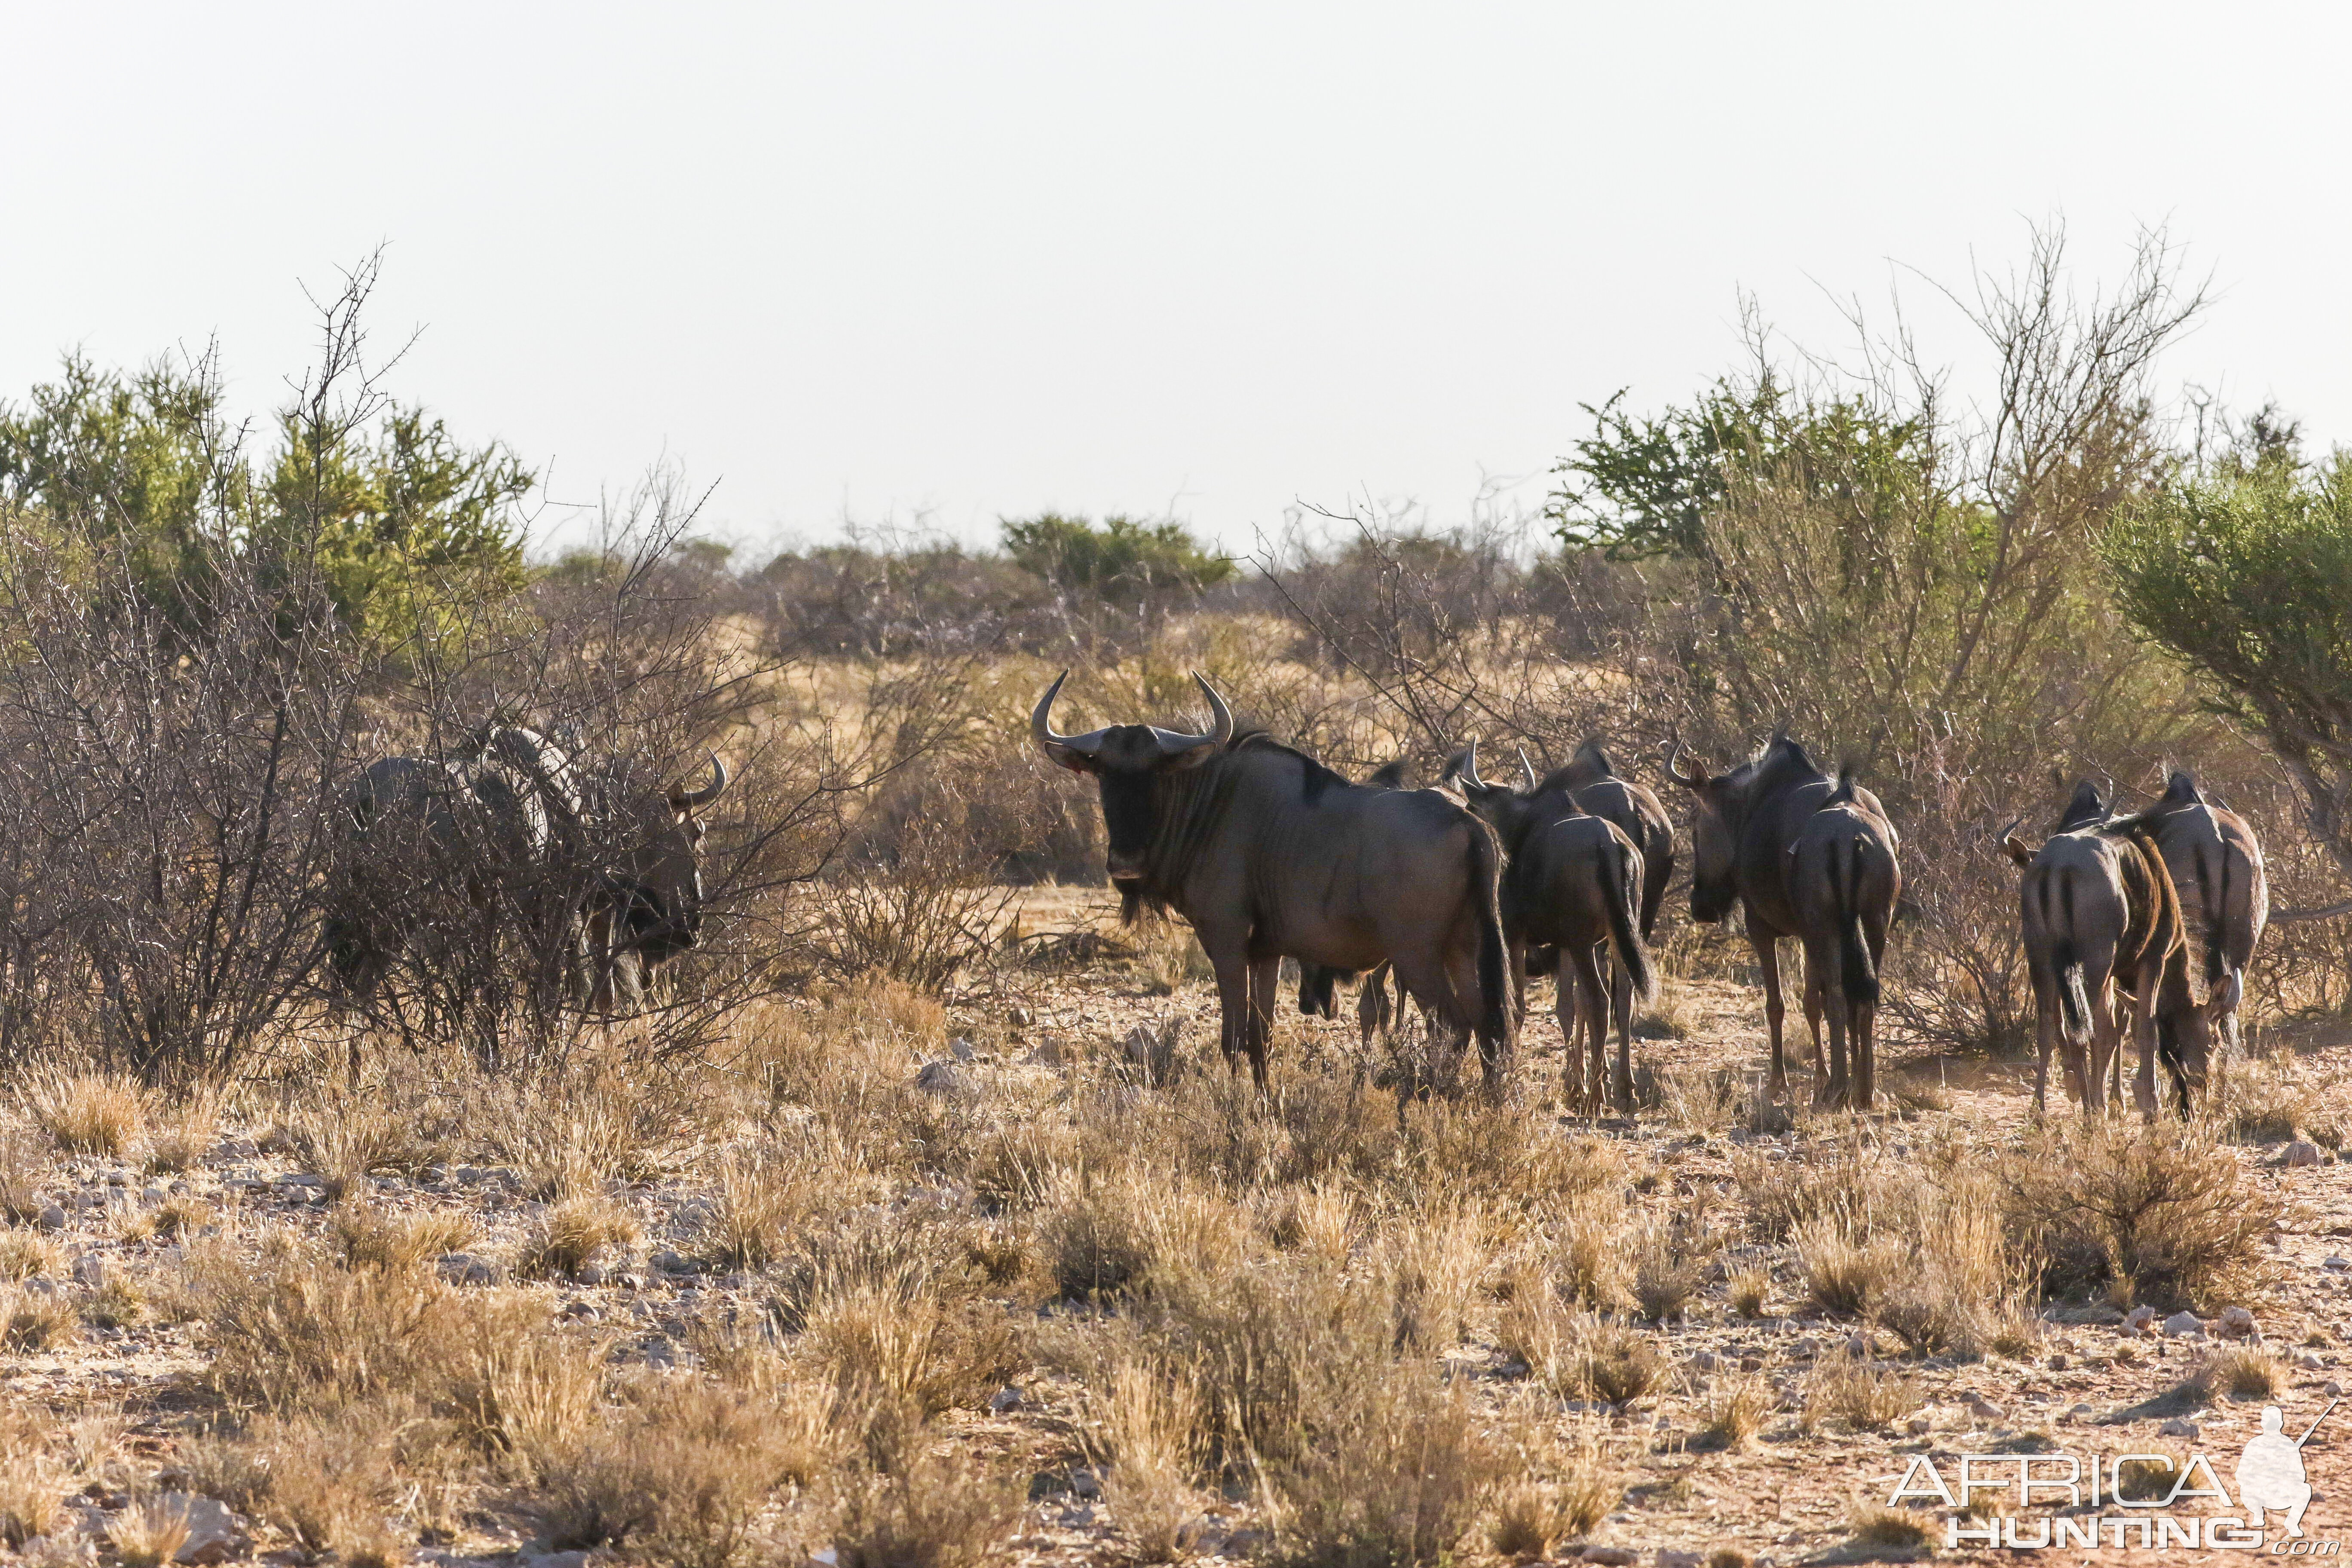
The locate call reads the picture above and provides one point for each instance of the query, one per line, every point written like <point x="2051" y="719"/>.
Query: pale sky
<point x="949" y="262"/>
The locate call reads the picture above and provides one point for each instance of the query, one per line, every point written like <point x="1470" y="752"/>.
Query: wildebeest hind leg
<point x="1574" y="1088"/>
<point x="1464" y="995"/>
<point x="1620" y="1012"/>
<point x="1767" y="964"/>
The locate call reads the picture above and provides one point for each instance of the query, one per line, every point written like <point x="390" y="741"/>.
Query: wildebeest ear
<point x="2018" y="849"/>
<point x="1390" y="776"/>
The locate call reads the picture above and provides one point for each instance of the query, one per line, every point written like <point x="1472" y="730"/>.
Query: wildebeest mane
<point x="1315" y="777"/>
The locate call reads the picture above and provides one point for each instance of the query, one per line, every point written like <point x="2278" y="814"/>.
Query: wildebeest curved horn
<point x="1172" y="744"/>
<point x="1527" y="768"/>
<point x="1069" y="750"/>
<point x="692" y="799"/>
<point x="1468" y="773"/>
<point x="1690" y="780"/>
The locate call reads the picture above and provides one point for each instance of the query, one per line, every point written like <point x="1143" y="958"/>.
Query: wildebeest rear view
<point x="1270" y="855"/>
<point x="1812" y="858"/>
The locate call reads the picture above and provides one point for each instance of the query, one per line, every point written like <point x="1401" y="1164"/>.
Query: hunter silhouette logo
<point x="2270" y="1472"/>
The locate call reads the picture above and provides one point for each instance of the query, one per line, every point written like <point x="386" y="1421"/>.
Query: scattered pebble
<point x="2300" y="1154"/>
<point x="2184" y="1325"/>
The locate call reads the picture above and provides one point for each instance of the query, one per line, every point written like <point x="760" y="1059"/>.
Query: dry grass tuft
<point x="182" y="1134"/>
<point x="1847" y="1275"/>
<point x="1398" y="1476"/>
<point x="571" y="1233"/>
<point x="27" y="1253"/>
<point x="2244" y="1372"/>
<point x="33" y="1484"/>
<point x="1874" y="1525"/>
<point x="86" y="1113"/>
<point x="1145" y="1426"/>
<point x="1750" y="1290"/>
<point x="365" y="1237"/>
<point x="148" y="1534"/>
<point x="1859" y="1393"/>
<point x="763" y="1195"/>
<point x="21" y="1161"/>
<point x="1670" y="1261"/>
<point x="1733" y="1412"/>
<point x="934" y="1511"/>
<point x="35" y="1320"/>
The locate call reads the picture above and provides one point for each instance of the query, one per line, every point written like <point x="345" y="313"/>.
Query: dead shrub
<point x="2166" y="1215"/>
<point x="87" y="1113"/>
<point x="573" y="1231"/>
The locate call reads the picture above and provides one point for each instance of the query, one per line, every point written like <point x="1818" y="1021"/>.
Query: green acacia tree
<point x="1123" y="560"/>
<point x="2244" y="574"/>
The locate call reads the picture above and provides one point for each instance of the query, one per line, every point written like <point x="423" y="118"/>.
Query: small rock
<point x="2058" y="1362"/>
<point x="1611" y="1556"/>
<point x="1005" y="1399"/>
<point x="1247" y="1542"/>
<point x="660" y="1354"/>
<point x="1077" y="1518"/>
<point x="2178" y="1426"/>
<point x="1920" y="1426"/>
<point x="2184" y="1325"/>
<point x="2331" y="1388"/>
<point x="2338" y="1261"/>
<point x="670" y="1262"/>
<point x="215" y="1534"/>
<point x="592" y="1274"/>
<point x="1085" y="1483"/>
<point x="1985" y="1409"/>
<point x="1670" y="1558"/>
<point x="963" y="1049"/>
<point x="1705" y="1361"/>
<point x="89" y="1271"/>
<point x="2140" y="1318"/>
<point x="631" y="1281"/>
<point x="558" y="1560"/>
<point x="1751" y="1364"/>
<point x="2300" y="1154"/>
<point x="941" y="1077"/>
<point x="2081" y="1413"/>
<point x="2234" y="1323"/>
<point x="151" y="1196"/>
<point x="580" y="1312"/>
<point x="2310" y="1363"/>
<point x="52" y="1218"/>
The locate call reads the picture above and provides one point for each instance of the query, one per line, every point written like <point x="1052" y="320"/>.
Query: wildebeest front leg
<point x="1822" y="986"/>
<point x="1227" y="955"/>
<point x="1768" y="962"/>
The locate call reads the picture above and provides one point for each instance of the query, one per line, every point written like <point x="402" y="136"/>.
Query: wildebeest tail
<point x="2074" y="1000"/>
<point x="2214" y="891"/>
<point x="1494" y="1018"/>
<point x="1622" y="895"/>
<point x="1860" y="975"/>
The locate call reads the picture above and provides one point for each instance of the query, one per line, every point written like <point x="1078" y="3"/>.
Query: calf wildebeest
<point x="1269" y="854"/>
<point x="597" y="872"/>
<point x="1592" y="778"/>
<point x="1812" y="858"/>
<point x="2103" y="932"/>
<point x="1572" y="881"/>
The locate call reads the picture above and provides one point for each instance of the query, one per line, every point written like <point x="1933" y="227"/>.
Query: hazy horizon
<point x="926" y="264"/>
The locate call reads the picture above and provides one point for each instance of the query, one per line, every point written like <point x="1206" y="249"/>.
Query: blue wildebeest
<point x="2224" y="893"/>
<point x="595" y="872"/>
<point x="1808" y="857"/>
<point x="2105" y="943"/>
<point x="1268" y="854"/>
<point x="1572" y="881"/>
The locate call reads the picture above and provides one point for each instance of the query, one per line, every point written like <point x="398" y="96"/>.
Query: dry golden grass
<point x="33" y="1482"/>
<point x="1670" y="1260"/>
<point x="1144" y="1427"/>
<point x="1554" y="1497"/>
<point x="1859" y="1393"/>
<point x="35" y="1320"/>
<point x="87" y="1113"/>
<point x="1399" y="1474"/>
<point x="181" y="1134"/>
<point x="1748" y="1291"/>
<point x="572" y="1233"/>
<point x="21" y="1168"/>
<point x="147" y="1533"/>
<point x="2247" y="1372"/>
<point x="1733" y="1411"/>
<point x="367" y="1237"/>
<point x="1874" y="1525"/>
<point x="25" y="1253"/>
<point x="936" y="1510"/>
<point x="1847" y="1275"/>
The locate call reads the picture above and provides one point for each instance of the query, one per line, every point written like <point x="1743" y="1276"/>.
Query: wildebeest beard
<point x="1186" y="805"/>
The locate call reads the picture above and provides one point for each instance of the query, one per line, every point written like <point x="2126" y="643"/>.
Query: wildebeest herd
<point x="2142" y="923"/>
